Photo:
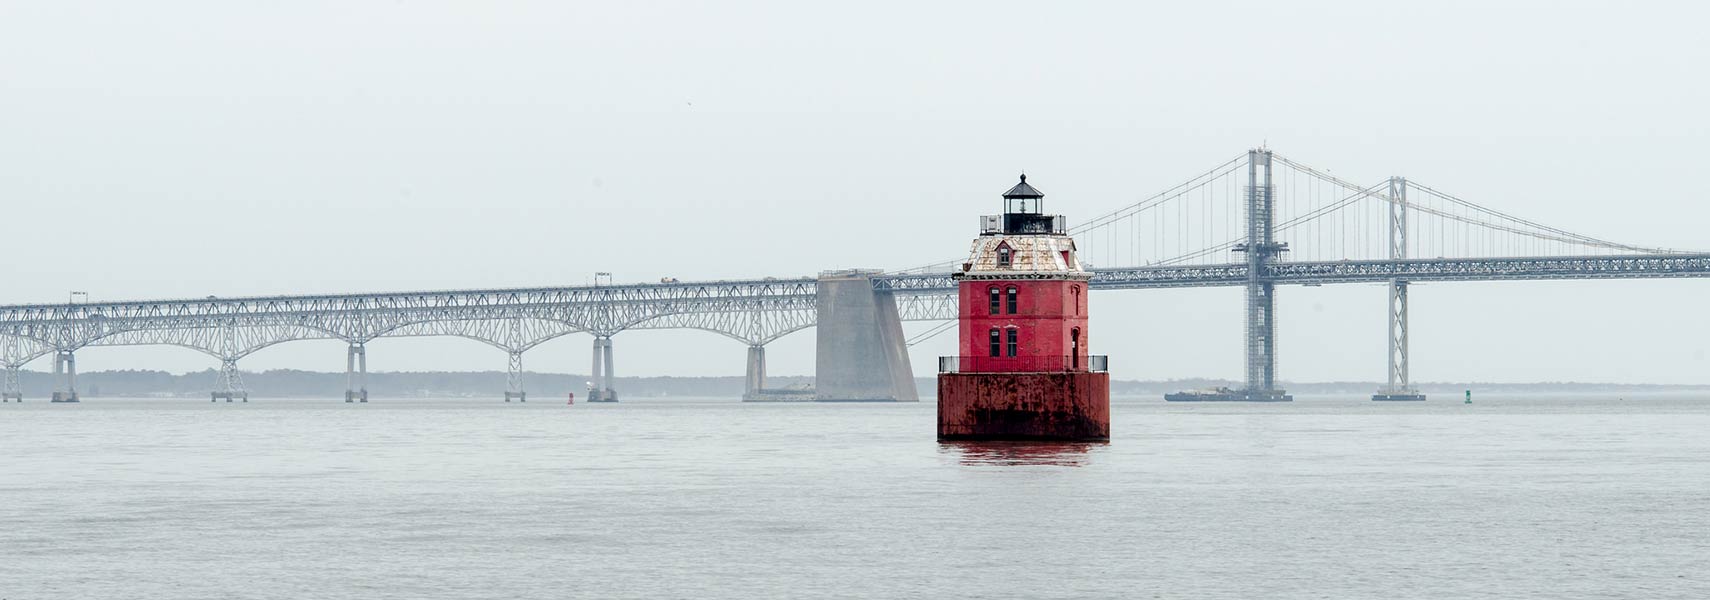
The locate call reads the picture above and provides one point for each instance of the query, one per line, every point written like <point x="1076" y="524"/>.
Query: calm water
<point x="1513" y="497"/>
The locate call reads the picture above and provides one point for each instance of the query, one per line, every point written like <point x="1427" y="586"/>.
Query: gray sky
<point x="185" y="149"/>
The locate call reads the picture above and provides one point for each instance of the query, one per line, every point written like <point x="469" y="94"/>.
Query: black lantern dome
<point x="1024" y="213"/>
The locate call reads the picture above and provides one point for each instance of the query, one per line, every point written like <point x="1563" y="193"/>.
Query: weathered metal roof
<point x="1022" y="190"/>
<point x="1029" y="254"/>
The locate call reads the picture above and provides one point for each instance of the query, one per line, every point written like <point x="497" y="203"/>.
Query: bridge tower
<point x="1397" y="387"/>
<point x="1023" y="372"/>
<point x="1261" y="249"/>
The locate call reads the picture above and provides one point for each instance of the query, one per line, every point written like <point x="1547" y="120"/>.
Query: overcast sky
<point x="170" y="149"/>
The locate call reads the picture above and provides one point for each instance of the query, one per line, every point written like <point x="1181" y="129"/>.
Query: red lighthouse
<point x="1023" y="371"/>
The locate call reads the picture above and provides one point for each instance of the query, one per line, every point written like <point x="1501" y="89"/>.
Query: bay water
<point x="1515" y="496"/>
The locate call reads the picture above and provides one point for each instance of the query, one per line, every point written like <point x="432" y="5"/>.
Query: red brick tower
<point x="1023" y="371"/>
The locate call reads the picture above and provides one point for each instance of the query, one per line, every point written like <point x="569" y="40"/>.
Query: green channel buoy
<point x="1469" y="397"/>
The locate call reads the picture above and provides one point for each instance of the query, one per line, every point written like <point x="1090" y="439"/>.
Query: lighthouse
<point x="1023" y="370"/>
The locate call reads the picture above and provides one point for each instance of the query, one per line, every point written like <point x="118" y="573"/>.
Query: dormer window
<point x="1003" y="255"/>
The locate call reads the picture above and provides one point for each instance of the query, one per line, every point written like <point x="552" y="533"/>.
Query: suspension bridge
<point x="1256" y="221"/>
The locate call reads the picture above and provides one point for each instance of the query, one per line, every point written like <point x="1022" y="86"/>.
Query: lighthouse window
<point x="1077" y="293"/>
<point x="1011" y="292"/>
<point x="996" y="344"/>
<point x="1075" y="348"/>
<point x="994" y="305"/>
<point x="1003" y="255"/>
<point x="1012" y="342"/>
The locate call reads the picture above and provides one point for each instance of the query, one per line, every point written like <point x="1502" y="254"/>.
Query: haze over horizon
<point x="182" y="149"/>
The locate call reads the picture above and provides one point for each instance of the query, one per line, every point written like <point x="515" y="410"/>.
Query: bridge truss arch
<point x="1310" y="227"/>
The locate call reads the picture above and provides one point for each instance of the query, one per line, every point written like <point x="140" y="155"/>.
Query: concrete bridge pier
<point x="756" y="379"/>
<point x="754" y="384"/>
<point x="356" y="373"/>
<point x="513" y="378"/>
<point x="64" y="376"/>
<point x="602" y="373"/>
<point x="230" y="385"/>
<point x="862" y="355"/>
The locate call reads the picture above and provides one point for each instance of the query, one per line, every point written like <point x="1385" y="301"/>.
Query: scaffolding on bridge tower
<point x="1261" y="249"/>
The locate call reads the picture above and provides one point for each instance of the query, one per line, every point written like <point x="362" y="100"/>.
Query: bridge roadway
<point x="1369" y="271"/>
<point x="754" y="312"/>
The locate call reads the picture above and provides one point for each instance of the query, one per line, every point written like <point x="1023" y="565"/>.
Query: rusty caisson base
<point x="1071" y="406"/>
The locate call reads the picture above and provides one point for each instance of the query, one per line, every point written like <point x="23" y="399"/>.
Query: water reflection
<point x="1057" y="454"/>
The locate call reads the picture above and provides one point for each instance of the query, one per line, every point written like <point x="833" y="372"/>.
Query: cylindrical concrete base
<point x="1024" y="406"/>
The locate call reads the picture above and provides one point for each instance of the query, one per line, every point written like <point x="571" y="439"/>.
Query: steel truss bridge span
<point x="754" y="312"/>
<point x="1256" y="221"/>
<point x="1368" y="271"/>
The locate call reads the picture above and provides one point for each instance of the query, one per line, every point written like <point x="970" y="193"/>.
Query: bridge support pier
<point x="64" y="376"/>
<point x="755" y="381"/>
<point x="602" y="372"/>
<point x="230" y="383"/>
<point x="11" y="349"/>
<point x="11" y="390"/>
<point x="861" y="355"/>
<point x="513" y="379"/>
<point x="356" y="373"/>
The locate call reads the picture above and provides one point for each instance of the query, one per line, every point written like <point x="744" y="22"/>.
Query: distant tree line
<point x="431" y="384"/>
